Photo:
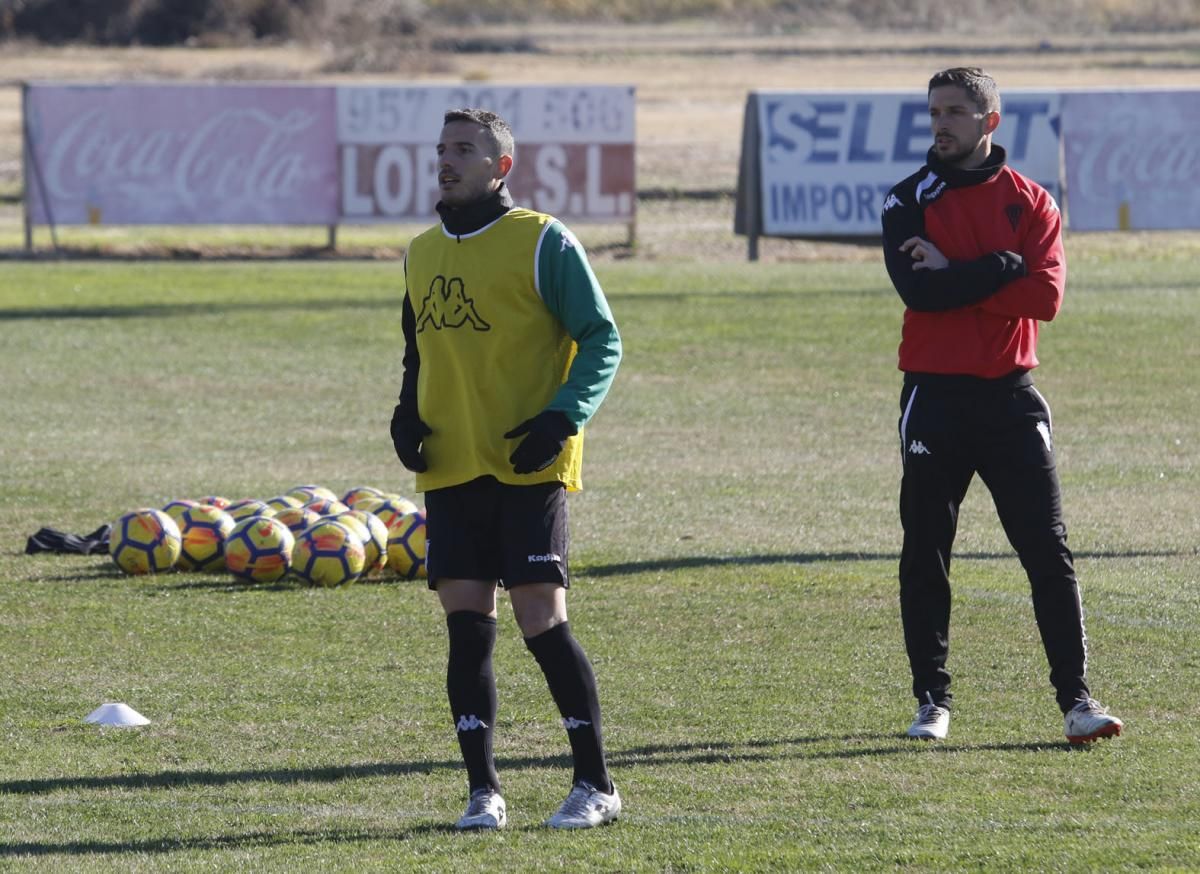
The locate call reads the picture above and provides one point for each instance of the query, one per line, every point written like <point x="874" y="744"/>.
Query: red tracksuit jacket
<point x="1003" y="236"/>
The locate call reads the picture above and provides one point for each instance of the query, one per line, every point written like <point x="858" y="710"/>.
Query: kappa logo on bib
<point x="447" y="306"/>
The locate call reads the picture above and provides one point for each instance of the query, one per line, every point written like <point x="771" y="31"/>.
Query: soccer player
<point x="509" y="348"/>
<point x="975" y="251"/>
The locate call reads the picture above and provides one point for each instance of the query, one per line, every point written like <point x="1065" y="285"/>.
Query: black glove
<point x="408" y="431"/>
<point x="548" y="432"/>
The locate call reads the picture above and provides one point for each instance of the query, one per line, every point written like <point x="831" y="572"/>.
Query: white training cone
<point x="116" y="714"/>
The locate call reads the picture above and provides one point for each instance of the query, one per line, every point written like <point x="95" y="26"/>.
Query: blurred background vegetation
<point x="348" y="23"/>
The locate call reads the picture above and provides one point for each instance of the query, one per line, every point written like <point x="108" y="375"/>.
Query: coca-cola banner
<point x="574" y="156"/>
<point x="181" y="154"/>
<point x="1132" y="159"/>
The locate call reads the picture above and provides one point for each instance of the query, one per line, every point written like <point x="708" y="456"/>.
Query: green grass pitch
<point x="735" y="554"/>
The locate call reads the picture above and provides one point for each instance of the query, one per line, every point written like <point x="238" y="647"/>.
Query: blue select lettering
<point x="859" y="153"/>
<point x="838" y="131"/>
<point x="785" y="133"/>
<point x="913" y="137"/>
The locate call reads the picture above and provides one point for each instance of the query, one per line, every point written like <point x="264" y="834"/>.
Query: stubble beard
<point x="960" y="156"/>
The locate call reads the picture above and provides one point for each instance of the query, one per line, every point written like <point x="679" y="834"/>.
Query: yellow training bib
<point x="492" y="354"/>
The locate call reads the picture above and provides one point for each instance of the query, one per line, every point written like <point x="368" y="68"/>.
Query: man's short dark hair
<point x="500" y="135"/>
<point x="980" y="87"/>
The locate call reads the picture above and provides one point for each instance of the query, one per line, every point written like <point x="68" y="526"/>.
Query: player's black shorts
<point x="488" y="530"/>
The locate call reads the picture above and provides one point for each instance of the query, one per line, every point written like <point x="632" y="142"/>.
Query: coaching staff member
<point x="975" y="251"/>
<point x="509" y="348"/>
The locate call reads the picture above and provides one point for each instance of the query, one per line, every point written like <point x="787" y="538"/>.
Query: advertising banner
<point x="135" y="154"/>
<point x="828" y="159"/>
<point x="1133" y="159"/>
<point x="574" y="155"/>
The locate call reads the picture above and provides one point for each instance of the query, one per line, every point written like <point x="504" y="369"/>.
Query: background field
<point x="735" y="546"/>
<point x="735" y="550"/>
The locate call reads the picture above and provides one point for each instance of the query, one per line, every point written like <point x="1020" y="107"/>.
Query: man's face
<point x="467" y="169"/>
<point x="960" y="129"/>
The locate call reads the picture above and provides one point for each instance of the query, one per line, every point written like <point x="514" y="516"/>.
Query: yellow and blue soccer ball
<point x="259" y="549"/>
<point x="175" y="509"/>
<point x="401" y="501"/>
<point x="248" y="507"/>
<point x="145" y="541"/>
<point x="204" y="530"/>
<point x="406" y="546"/>
<point x="377" y="539"/>
<point x="392" y="510"/>
<point x="367" y="503"/>
<point x="329" y="554"/>
<point x="326" y="506"/>
<point x="282" y="502"/>
<point x="304" y="494"/>
<point x="354" y="495"/>
<point x="297" y="519"/>
<point x="354" y="523"/>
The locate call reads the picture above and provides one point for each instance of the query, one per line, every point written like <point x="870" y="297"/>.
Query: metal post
<point x="747" y="215"/>
<point x="31" y="154"/>
<point x="25" y="170"/>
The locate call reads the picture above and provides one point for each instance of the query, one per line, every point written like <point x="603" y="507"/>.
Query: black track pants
<point x="950" y="429"/>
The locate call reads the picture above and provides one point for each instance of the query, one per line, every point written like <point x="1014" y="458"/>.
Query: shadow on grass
<point x="745" y="296"/>
<point x="246" y="840"/>
<point x="855" y="746"/>
<point x="218" y="582"/>
<point x="171" y="310"/>
<point x="700" y="561"/>
<point x="718" y="752"/>
<point x="179" y="580"/>
<point x="187" y="779"/>
<point x="275" y="305"/>
<point x="84" y="253"/>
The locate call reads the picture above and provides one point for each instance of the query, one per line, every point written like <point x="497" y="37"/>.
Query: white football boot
<point x="1088" y="721"/>
<point x="485" y="810"/>
<point x="932" y="722"/>
<point x="586" y="807"/>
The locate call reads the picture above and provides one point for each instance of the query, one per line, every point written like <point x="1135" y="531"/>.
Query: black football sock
<point x="471" y="686"/>
<point x="573" y="686"/>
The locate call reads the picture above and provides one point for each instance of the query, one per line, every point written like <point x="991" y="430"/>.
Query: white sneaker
<point x="484" y="810"/>
<point x="1088" y="721"/>
<point x="932" y="722"/>
<point x="585" y="807"/>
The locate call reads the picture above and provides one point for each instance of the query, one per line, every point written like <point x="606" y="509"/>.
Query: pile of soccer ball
<point x="309" y="531"/>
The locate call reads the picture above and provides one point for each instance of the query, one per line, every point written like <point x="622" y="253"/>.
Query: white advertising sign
<point x="574" y="155"/>
<point x="1133" y="159"/>
<point x="828" y="159"/>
